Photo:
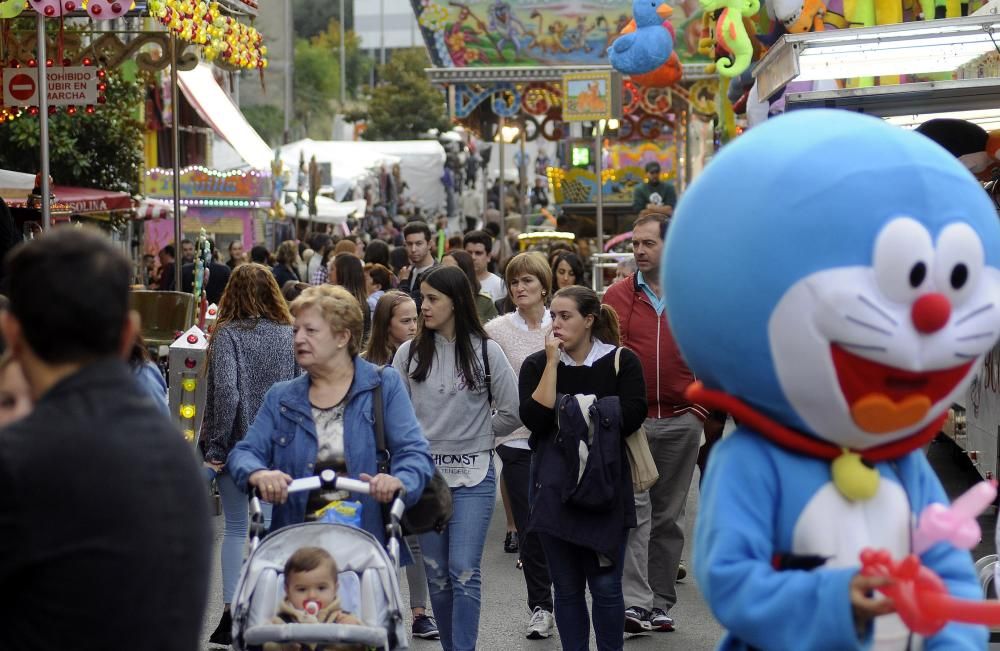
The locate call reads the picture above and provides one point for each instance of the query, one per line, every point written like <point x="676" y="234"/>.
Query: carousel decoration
<point x="224" y="38"/>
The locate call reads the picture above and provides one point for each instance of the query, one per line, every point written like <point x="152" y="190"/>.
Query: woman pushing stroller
<point x="325" y="419"/>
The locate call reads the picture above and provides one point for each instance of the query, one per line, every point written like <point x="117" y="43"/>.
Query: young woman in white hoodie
<point x="451" y="383"/>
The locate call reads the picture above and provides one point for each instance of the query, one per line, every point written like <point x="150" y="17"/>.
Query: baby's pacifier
<point x="312" y="607"/>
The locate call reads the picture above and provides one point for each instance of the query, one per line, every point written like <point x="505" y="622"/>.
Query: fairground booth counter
<point x="112" y="211"/>
<point x="532" y="81"/>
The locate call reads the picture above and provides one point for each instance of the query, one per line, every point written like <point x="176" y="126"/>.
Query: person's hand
<point x="865" y="605"/>
<point x="217" y="467"/>
<point x="553" y="347"/>
<point x="404" y="273"/>
<point x="383" y="487"/>
<point x="272" y="485"/>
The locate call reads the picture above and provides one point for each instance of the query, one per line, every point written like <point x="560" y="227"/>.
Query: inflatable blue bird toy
<point x="650" y="44"/>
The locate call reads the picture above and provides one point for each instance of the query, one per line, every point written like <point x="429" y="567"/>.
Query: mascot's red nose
<point x="930" y="313"/>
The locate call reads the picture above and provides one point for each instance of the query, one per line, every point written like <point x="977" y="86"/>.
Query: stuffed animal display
<point x="845" y="314"/>
<point x="645" y="44"/>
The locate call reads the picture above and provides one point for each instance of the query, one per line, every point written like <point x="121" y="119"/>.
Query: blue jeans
<point x="236" y="509"/>
<point x="573" y="569"/>
<point x="452" y="560"/>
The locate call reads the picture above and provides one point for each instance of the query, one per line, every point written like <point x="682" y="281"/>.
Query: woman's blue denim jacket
<point x="283" y="437"/>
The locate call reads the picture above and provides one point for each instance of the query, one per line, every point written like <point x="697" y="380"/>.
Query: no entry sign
<point x="66" y="86"/>
<point x="22" y="87"/>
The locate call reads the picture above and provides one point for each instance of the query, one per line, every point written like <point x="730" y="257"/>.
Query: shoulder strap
<point x="381" y="454"/>
<point x="486" y="371"/>
<point x="618" y="356"/>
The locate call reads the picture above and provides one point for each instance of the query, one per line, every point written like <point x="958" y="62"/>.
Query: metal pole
<point x="381" y="29"/>
<point x="43" y="122"/>
<point x="175" y="137"/>
<point x="598" y="164"/>
<point x="343" y="59"/>
<point x="502" y="177"/>
<point x="289" y="70"/>
<point x="523" y="181"/>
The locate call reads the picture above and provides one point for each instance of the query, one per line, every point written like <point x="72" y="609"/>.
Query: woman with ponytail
<point x="584" y="542"/>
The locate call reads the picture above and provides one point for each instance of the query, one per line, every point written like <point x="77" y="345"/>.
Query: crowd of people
<point x="476" y="353"/>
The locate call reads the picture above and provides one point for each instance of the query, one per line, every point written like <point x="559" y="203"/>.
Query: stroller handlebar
<point x="330" y="480"/>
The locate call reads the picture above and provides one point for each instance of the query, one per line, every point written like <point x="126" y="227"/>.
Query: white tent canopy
<point x="329" y="211"/>
<point x="348" y="164"/>
<point x="421" y="164"/>
<point x="16" y="185"/>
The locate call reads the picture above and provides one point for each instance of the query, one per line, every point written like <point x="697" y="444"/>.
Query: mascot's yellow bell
<point x="856" y="480"/>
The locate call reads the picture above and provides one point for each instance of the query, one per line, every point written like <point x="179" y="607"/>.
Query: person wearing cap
<point x="655" y="195"/>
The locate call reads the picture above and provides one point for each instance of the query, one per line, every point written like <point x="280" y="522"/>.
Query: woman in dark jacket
<point x="583" y="545"/>
<point x="251" y="350"/>
<point x="287" y="259"/>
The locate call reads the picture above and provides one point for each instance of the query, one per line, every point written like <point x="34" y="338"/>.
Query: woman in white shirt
<point x="521" y="333"/>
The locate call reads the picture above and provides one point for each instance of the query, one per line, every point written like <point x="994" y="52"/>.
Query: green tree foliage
<point x="405" y="104"/>
<point x="267" y="120"/>
<point x="358" y="64"/>
<point x="317" y="83"/>
<point x="311" y="16"/>
<point x="317" y="78"/>
<point x="98" y="150"/>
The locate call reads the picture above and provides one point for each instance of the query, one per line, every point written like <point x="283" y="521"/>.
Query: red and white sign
<point x="22" y="87"/>
<point x="73" y="85"/>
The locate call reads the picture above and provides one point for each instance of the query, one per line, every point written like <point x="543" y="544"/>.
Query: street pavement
<point x="505" y="611"/>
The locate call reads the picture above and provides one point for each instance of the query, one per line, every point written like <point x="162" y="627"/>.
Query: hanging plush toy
<point x="645" y="44"/>
<point x="731" y="33"/>
<point x="845" y="316"/>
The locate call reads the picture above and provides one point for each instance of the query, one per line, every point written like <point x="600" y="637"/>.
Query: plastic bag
<point x="341" y="512"/>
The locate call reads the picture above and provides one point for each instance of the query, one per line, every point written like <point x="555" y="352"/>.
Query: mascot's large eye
<point x="903" y="259"/>
<point x="959" y="261"/>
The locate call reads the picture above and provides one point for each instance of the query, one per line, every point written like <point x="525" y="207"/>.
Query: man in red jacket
<point x="673" y="427"/>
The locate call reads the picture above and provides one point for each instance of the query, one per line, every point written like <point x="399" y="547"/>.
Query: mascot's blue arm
<point x="953" y="565"/>
<point x="762" y="607"/>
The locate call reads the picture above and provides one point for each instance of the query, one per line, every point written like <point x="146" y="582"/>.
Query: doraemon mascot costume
<point x="854" y="293"/>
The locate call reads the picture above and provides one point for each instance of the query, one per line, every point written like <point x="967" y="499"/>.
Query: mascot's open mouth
<point x="886" y="399"/>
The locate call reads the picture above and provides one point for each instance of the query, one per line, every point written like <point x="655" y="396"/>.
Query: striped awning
<point x="156" y="209"/>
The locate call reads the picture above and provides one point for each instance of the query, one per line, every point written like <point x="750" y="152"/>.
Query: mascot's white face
<point x="871" y="354"/>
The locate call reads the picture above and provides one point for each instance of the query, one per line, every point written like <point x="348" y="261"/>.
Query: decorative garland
<point x="203" y="23"/>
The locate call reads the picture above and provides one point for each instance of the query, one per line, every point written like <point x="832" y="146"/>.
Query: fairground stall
<point x="505" y="67"/>
<point x="229" y="205"/>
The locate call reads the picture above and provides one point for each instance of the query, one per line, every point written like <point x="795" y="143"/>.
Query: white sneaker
<point x="540" y="625"/>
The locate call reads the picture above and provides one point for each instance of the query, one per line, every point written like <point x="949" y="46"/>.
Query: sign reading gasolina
<point x="72" y="85"/>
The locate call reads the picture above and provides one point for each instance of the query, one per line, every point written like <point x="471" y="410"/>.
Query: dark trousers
<point x="516" y="475"/>
<point x="574" y="569"/>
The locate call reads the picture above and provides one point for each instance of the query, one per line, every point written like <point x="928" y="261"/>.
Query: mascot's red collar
<point x="802" y="443"/>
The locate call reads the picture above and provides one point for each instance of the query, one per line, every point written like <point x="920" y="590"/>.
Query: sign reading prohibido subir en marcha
<point x="72" y="85"/>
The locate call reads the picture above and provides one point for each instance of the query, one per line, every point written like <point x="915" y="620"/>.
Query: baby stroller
<point x="368" y="584"/>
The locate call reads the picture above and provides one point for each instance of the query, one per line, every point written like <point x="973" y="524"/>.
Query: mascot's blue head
<point x="836" y="273"/>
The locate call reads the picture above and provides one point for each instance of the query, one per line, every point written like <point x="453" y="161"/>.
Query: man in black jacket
<point x="104" y="526"/>
<point x="417" y="239"/>
<point x="218" y="278"/>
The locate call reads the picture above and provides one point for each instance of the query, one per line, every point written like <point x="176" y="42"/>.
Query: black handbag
<point x="434" y="509"/>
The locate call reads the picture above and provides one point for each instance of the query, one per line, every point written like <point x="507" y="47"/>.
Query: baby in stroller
<point x="311" y="598"/>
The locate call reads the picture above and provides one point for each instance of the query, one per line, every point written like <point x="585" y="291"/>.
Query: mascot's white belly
<point x="835" y="528"/>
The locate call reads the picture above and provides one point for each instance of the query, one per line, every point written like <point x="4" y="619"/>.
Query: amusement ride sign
<point x="69" y="86"/>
